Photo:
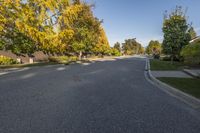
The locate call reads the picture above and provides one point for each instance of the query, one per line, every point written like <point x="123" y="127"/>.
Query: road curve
<point x="103" y="97"/>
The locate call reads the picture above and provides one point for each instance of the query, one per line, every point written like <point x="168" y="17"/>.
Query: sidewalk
<point x="177" y="74"/>
<point x="193" y="72"/>
<point x="188" y="98"/>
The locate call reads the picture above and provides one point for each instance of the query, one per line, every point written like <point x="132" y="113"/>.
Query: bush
<point x="7" y="61"/>
<point x="73" y="58"/>
<point x="59" y="59"/>
<point x="63" y="59"/>
<point x="156" y="56"/>
<point x="191" y="54"/>
<point x="115" y="52"/>
<point x="166" y="58"/>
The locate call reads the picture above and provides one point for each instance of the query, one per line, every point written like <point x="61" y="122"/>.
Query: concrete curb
<point x="14" y="70"/>
<point x="7" y="71"/>
<point x="186" y="98"/>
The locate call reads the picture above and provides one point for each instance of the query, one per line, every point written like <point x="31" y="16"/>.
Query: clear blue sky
<point x="141" y="19"/>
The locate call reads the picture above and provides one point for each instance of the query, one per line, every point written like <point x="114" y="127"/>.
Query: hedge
<point x="7" y="61"/>
<point x="63" y="59"/>
<point x="191" y="53"/>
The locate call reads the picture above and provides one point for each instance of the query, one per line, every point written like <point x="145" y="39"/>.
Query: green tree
<point x="2" y="44"/>
<point x="117" y="46"/>
<point x="176" y="33"/>
<point x="21" y="44"/>
<point x="153" y="48"/>
<point x="86" y="30"/>
<point x="131" y="47"/>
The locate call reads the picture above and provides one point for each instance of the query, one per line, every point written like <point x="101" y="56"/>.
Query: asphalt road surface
<point x="102" y="97"/>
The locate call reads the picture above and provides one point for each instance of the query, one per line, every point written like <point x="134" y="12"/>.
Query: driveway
<point x="103" y="97"/>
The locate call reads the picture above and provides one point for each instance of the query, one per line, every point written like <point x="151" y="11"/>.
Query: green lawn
<point x="165" y="65"/>
<point x="187" y="85"/>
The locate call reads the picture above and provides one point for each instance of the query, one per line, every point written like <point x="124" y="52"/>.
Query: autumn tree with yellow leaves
<point x="52" y="26"/>
<point x="102" y="47"/>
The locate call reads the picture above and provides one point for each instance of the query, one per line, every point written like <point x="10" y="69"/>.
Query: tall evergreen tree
<point x="176" y="33"/>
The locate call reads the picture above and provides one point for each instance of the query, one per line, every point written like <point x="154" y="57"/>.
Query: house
<point x="195" y="39"/>
<point x="38" y="56"/>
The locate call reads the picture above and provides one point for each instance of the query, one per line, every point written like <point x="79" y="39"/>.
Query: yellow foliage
<point x="103" y="45"/>
<point x="38" y="20"/>
<point x="70" y="14"/>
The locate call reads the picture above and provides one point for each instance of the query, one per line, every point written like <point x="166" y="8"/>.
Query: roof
<point x="194" y="39"/>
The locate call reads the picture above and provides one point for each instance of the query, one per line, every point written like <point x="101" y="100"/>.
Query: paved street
<point x="103" y="97"/>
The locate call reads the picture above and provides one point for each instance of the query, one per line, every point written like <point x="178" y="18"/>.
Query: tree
<point x="86" y="30"/>
<point x="21" y="44"/>
<point x="153" y="48"/>
<point x="142" y="50"/>
<point x="117" y="46"/>
<point x="53" y="26"/>
<point x="192" y="33"/>
<point x="2" y="45"/>
<point x="131" y="47"/>
<point x="76" y="1"/>
<point x="102" y="47"/>
<point x="176" y="33"/>
<point x="21" y="26"/>
<point x="48" y="23"/>
<point x="11" y="37"/>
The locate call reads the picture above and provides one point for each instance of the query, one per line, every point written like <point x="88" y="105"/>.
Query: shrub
<point x="166" y="58"/>
<point x="191" y="54"/>
<point x="73" y="58"/>
<point x="59" y="59"/>
<point x="7" y="61"/>
<point x="115" y="52"/>
<point x="63" y="59"/>
<point x="156" y="56"/>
